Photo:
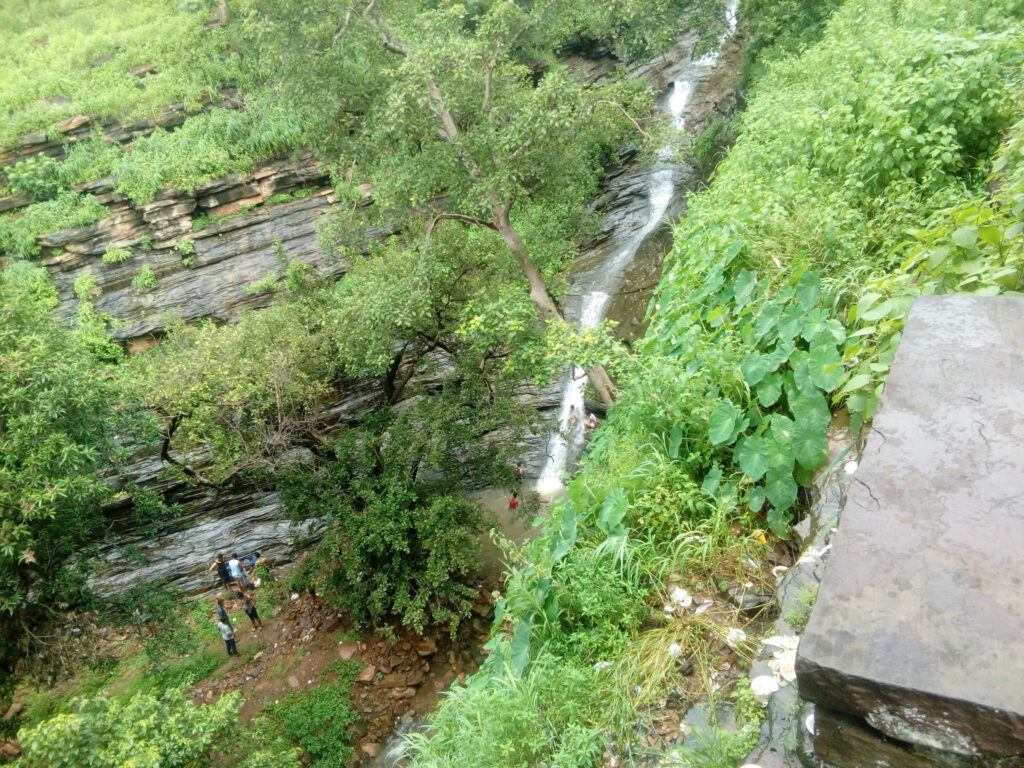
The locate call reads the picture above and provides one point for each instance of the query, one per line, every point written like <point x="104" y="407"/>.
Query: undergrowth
<point x="864" y="158"/>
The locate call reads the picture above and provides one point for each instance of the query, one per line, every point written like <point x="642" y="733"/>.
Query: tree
<point x="460" y="113"/>
<point x="60" y="408"/>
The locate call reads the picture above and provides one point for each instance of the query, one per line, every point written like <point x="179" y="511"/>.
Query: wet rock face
<point x="229" y="256"/>
<point x="202" y="274"/>
<point x="920" y="618"/>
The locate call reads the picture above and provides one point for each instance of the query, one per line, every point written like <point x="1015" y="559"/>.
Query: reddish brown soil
<point x="298" y="645"/>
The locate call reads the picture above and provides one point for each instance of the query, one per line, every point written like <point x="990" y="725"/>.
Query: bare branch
<point x="348" y="18"/>
<point x="458" y="217"/>
<point x="629" y="117"/>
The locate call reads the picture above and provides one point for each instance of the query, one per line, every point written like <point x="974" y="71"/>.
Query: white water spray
<point x="567" y="440"/>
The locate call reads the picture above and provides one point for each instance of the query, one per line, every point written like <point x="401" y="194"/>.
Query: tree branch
<point x="629" y="117"/>
<point x="458" y="217"/>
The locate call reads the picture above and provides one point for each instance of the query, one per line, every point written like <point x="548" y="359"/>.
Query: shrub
<point x="162" y="731"/>
<point x="145" y="280"/>
<point x="317" y="720"/>
<point x="115" y="255"/>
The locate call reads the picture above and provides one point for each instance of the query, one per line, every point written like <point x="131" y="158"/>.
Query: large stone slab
<point x="919" y="624"/>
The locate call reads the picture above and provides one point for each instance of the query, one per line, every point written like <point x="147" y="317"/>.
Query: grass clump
<point x="64" y="58"/>
<point x="799" y="615"/>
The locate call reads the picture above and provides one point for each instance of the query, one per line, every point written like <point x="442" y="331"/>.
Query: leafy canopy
<point x="60" y="409"/>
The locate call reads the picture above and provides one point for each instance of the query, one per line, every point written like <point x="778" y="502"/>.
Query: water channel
<point x="565" y="443"/>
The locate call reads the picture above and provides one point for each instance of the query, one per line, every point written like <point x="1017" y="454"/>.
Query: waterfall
<point x="566" y="442"/>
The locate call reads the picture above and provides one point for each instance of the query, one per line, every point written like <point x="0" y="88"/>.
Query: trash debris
<point x="763" y="686"/>
<point x="680" y="597"/>
<point x="850" y="467"/>
<point x="779" y="569"/>
<point x="809" y="723"/>
<point x="704" y="606"/>
<point x="602" y="665"/>
<point x="735" y="638"/>
<point x="675" y="651"/>
<point x="295" y="596"/>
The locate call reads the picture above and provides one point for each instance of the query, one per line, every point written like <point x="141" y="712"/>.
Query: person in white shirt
<point x="228" y="636"/>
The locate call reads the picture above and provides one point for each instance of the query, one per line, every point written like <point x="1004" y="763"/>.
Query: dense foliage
<point x="66" y="58"/>
<point x="881" y="148"/>
<point x="162" y="731"/>
<point x="316" y="720"/>
<point x="59" y="413"/>
<point x="863" y="160"/>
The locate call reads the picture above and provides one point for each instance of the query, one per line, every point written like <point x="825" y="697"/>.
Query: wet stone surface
<point x="918" y="630"/>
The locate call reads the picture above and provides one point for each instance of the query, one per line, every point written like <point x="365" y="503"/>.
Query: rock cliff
<point x="205" y="247"/>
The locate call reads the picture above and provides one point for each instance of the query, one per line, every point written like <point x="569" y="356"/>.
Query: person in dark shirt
<point x="250" y="609"/>
<point x="223" y="574"/>
<point x="222" y="614"/>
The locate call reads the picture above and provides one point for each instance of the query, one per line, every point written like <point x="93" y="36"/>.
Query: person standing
<point x="250" y="610"/>
<point x="235" y="569"/>
<point x="222" y="614"/>
<point x="223" y="572"/>
<point x="228" y="636"/>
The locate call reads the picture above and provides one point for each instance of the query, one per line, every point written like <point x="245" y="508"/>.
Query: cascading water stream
<point x="566" y="442"/>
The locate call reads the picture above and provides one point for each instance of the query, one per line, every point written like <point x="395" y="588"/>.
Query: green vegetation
<point x="145" y="280"/>
<point x="864" y="159"/>
<point x="167" y="730"/>
<point x="58" y="420"/>
<point x="115" y="255"/>
<point x="64" y="58"/>
<point x="316" y="720"/>
<point x="18" y="233"/>
<point x="880" y="148"/>
<point x="799" y="615"/>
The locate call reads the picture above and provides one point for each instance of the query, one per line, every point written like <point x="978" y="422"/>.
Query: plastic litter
<point x="763" y="686"/>
<point x="680" y="597"/>
<point x="675" y="651"/>
<point x="735" y="638"/>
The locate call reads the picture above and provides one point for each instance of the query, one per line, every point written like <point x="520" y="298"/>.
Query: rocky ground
<point x="399" y="679"/>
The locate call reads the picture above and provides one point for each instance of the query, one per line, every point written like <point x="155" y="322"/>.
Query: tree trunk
<point x="225" y="12"/>
<point x="542" y="300"/>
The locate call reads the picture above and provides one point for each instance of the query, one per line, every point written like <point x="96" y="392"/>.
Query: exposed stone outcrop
<point x="920" y="615"/>
<point x="198" y="274"/>
<point x="77" y="128"/>
<point x="235" y="249"/>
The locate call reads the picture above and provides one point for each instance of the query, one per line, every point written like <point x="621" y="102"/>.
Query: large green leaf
<point x="725" y="423"/>
<point x="825" y="366"/>
<point x="712" y="480"/>
<point x="519" y="648"/>
<point x="810" y="444"/>
<point x="755" y="498"/>
<point x="792" y="322"/>
<point x="769" y="390"/>
<point x="612" y="513"/>
<point x="675" y="438"/>
<point x="566" y="536"/>
<point x="751" y="455"/>
<point x="778" y="521"/>
<point x="756" y="366"/>
<point x="811" y="409"/>
<point x="781" y="489"/>
<point x="743" y="287"/>
<point x="808" y="288"/>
